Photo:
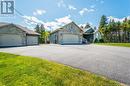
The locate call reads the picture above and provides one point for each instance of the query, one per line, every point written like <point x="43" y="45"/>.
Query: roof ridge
<point x="66" y="25"/>
<point x="25" y="29"/>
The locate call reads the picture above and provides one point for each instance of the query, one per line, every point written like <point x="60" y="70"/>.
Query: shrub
<point x="101" y="41"/>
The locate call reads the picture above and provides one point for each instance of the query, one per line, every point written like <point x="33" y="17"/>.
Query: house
<point x="68" y="34"/>
<point x="89" y="35"/>
<point x="16" y="35"/>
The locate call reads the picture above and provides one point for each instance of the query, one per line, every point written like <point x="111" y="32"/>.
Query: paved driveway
<point x="113" y="62"/>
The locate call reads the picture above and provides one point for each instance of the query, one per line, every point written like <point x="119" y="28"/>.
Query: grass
<point x="18" y="70"/>
<point x="115" y="44"/>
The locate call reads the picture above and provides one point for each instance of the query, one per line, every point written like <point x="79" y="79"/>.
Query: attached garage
<point x="70" y="39"/>
<point x="16" y="35"/>
<point x="68" y="34"/>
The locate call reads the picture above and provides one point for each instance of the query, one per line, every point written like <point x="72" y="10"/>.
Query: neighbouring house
<point x="89" y="34"/>
<point x="16" y="35"/>
<point x="68" y="34"/>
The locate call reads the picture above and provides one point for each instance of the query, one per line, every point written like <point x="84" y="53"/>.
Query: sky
<point x="55" y="13"/>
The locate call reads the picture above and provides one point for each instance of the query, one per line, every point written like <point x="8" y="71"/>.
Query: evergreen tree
<point x="102" y="26"/>
<point x="103" y="22"/>
<point x="115" y="31"/>
<point x="43" y="34"/>
<point x="95" y="28"/>
<point x="41" y="30"/>
<point x="37" y="29"/>
<point x="118" y="27"/>
<point x="124" y="29"/>
<point x="87" y="26"/>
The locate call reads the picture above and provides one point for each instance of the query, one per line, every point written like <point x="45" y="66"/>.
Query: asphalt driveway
<point x="113" y="62"/>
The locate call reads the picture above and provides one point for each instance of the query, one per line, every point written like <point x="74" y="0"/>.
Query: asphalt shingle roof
<point x="25" y="29"/>
<point x="65" y="26"/>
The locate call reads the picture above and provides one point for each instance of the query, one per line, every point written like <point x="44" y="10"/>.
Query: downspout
<point x="26" y="40"/>
<point x="38" y="40"/>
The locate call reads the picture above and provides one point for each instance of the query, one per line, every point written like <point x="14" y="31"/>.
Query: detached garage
<point x="16" y="35"/>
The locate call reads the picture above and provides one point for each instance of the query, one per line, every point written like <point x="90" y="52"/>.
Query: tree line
<point x="114" y="31"/>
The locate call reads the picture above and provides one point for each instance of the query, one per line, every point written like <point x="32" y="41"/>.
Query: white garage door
<point x="10" y="40"/>
<point x="70" y="39"/>
<point x="32" y="40"/>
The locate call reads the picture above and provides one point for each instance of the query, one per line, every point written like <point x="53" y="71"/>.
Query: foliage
<point x="116" y="32"/>
<point x="18" y="70"/>
<point x="103" y="21"/>
<point x="87" y="26"/>
<point x="96" y="40"/>
<point x="43" y="38"/>
<point x="101" y="41"/>
<point x="102" y="25"/>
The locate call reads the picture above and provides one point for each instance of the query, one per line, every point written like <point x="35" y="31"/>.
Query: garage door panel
<point x="32" y="40"/>
<point x="70" y="39"/>
<point x="10" y="40"/>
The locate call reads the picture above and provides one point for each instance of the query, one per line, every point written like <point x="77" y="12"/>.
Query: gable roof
<point x="90" y="30"/>
<point x="3" y="24"/>
<point x="65" y="26"/>
<point x="25" y="29"/>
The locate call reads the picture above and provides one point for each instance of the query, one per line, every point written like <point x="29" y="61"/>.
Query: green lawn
<point x="18" y="70"/>
<point x="115" y="44"/>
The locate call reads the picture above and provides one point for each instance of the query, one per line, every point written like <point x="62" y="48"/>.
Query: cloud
<point x="61" y="3"/>
<point x="92" y="6"/>
<point x="32" y="20"/>
<point x="52" y="25"/>
<point x="83" y="25"/>
<point x="71" y="7"/>
<point x="102" y="1"/>
<point x="64" y="20"/>
<point x="81" y="12"/>
<point x="39" y="12"/>
<point x="117" y="19"/>
<point x="99" y="1"/>
<point x="57" y="23"/>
